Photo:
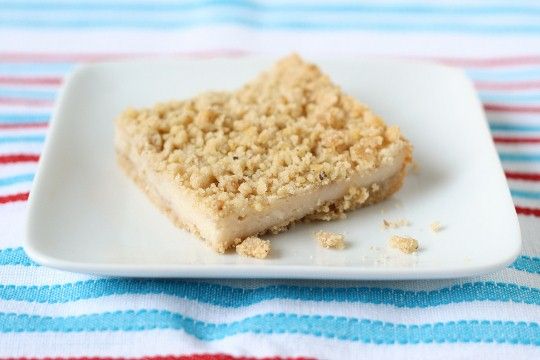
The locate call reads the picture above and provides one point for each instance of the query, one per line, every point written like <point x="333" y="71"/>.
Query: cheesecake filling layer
<point x="221" y="232"/>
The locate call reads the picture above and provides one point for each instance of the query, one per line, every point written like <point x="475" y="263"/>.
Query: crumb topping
<point x="404" y="244"/>
<point x="394" y="224"/>
<point x="330" y="240"/>
<point x="436" y="227"/>
<point x="288" y="131"/>
<point x="254" y="247"/>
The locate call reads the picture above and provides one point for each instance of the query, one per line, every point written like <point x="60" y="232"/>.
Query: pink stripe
<point x="492" y="62"/>
<point x="13" y="80"/>
<point x="507" y="86"/>
<point x="24" y="126"/>
<point x="26" y="102"/>
<point x="511" y="108"/>
<point x="76" y="57"/>
<point x="91" y="57"/>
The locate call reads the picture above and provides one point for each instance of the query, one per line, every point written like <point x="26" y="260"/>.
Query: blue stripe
<point x="514" y="127"/>
<point x="15" y="256"/>
<point x="491" y="9"/>
<point x="226" y="296"/>
<point x="269" y="24"/>
<point x="16" y="179"/>
<point x="35" y="68"/>
<point x="27" y="94"/>
<point x="339" y="328"/>
<point x="522" y="157"/>
<point x="23" y="118"/>
<point x="22" y="138"/>
<point x="525" y="194"/>
<point x="527" y="263"/>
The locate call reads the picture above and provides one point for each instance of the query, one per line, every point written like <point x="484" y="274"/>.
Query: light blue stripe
<point x="299" y="24"/>
<point x="11" y="180"/>
<point x="431" y="9"/>
<point x="498" y="74"/>
<point x="525" y="194"/>
<point x="35" y="68"/>
<point x="514" y="127"/>
<point x="521" y="157"/>
<point x="16" y="118"/>
<point x="529" y="264"/>
<point x="27" y="94"/>
<point x="339" y="328"/>
<point x="528" y="98"/>
<point x="22" y="139"/>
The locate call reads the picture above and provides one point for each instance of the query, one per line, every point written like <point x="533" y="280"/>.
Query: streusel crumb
<point x="330" y="240"/>
<point x="436" y="227"/>
<point x="254" y="247"/>
<point x="289" y="131"/>
<point x="394" y="224"/>
<point x="405" y="244"/>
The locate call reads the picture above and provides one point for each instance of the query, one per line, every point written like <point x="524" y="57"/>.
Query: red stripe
<point x="516" y="140"/>
<point x="78" y="57"/>
<point x="27" y="102"/>
<point x="12" y="198"/>
<point x="24" y="126"/>
<point x="174" y="357"/>
<point x="18" y="158"/>
<point x="516" y="175"/>
<point x="512" y="108"/>
<point x="521" y="85"/>
<point x="528" y="211"/>
<point x="492" y="62"/>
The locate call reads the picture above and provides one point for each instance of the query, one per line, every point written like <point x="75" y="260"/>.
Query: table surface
<point x="49" y="313"/>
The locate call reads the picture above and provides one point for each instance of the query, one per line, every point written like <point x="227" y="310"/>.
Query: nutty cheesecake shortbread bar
<point x="287" y="146"/>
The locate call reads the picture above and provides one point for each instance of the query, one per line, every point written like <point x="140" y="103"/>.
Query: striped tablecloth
<point x="48" y="313"/>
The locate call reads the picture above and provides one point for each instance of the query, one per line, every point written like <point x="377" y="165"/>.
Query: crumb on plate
<point x="254" y="247"/>
<point x="436" y="227"/>
<point x="405" y="244"/>
<point x="330" y="240"/>
<point x="389" y="224"/>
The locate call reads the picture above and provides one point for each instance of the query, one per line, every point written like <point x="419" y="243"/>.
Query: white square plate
<point x="86" y="216"/>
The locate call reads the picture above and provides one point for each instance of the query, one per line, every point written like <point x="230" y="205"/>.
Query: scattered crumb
<point x="330" y="240"/>
<point x="254" y="247"/>
<point x="415" y="167"/>
<point x="389" y="224"/>
<point x="436" y="227"/>
<point x="405" y="244"/>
